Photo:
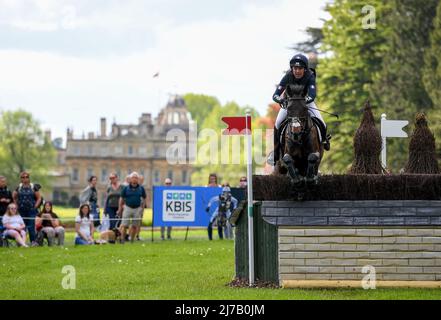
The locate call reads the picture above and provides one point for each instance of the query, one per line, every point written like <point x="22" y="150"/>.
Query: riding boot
<point x="275" y="155"/>
<point x="327" y="137"/>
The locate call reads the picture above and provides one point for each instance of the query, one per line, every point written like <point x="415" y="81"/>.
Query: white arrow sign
<point x="392" y="129"/>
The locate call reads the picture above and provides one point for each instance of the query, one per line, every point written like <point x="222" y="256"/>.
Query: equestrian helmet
<point x="299" y="60"/>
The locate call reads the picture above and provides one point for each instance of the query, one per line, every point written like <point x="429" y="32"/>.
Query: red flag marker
<point x="237" y="125"/>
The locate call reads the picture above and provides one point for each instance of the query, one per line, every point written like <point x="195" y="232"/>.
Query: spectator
<point x="14" y="225"/>
<point x="48" y="225"/>
<point x="28" y="199"/>
<point x="84" y="226"/>
<point x="5" y="196"/>
<point x="168" y="183"/>
<point x="90" y="196"/>
<point x="141" y="211"/>
<point x="112" y="199"/>
<point x="126" y="181"/>
<point x="212" y="180"/>
<point x="132" y="199"/>
<point x="225" y="205"/>
<point x="243" y="182"/>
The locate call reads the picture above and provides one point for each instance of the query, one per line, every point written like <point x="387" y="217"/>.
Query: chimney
<point x="115" y="130"/>
<point x="90" y="136"/>
<point x="69" y="134"/>
<point x="103" y="127"/>
<point x="146" y="118"/>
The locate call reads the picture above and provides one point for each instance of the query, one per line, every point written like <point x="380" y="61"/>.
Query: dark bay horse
<point x="301" y="146"/>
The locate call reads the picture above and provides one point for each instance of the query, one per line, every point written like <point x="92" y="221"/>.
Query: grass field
<point x="176" y="269"/>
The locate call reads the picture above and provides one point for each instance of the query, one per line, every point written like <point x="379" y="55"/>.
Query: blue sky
<point x="72" y="62"/>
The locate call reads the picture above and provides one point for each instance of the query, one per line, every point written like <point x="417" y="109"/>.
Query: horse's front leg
<point x="313" y="159"/>
<point x="293" y="172"/>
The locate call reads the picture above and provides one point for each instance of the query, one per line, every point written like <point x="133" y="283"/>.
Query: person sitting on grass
<point x="84" y="226"/>
<point x="14" y="225"/>
<point x="48" y="225"/>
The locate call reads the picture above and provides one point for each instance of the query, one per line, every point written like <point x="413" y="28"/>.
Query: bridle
<point x="298" y="128"/>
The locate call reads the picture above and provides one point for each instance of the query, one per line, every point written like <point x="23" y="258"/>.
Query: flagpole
<point x="250" y="198"/>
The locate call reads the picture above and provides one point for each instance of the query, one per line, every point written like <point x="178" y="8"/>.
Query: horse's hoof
<point x="287" y="159"/>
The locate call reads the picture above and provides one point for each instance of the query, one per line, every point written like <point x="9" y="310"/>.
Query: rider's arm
<point x="278" y="94"/>
<point x="312" y="90"/>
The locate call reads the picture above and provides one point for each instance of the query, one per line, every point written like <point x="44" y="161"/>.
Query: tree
<point x="432" y="78"/>
<point x="399" y="86"/>
<point x="352" y="58"/>
<point x="24" y="147"/>
<point x="200" y="106"/>
<point x="210" y="130"/>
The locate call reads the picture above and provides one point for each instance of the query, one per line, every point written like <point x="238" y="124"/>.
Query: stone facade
<point x="137" y="147"/>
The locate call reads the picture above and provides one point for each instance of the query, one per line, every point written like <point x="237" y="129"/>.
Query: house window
<point x="142" y="151"/>
<point x="118" y="150"/>
<point x="156" y="152"/>
<point x="104" y="151"/>
<point x="75" y="175"/>
<point x="156" y="177"/>
<point x="130" y="150"/>
<point x="104" y="175"/>
<point x="184" y="177"/>
<point x="170" y="174"/>
<point x="90" y="150"/>
<point x="175" y="117"/>
<point x="89" y="172"/>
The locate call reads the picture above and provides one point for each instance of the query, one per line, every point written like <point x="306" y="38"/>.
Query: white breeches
<point x="312" y="109"/>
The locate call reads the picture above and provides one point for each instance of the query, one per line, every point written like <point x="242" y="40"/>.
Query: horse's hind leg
<point x="311" y="176"/>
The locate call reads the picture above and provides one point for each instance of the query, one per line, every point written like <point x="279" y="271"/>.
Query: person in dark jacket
<point x="5" y="195"/>
<point x="28" y="200"/>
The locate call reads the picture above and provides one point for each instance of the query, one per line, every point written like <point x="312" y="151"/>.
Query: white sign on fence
<point x="391" y="129"/>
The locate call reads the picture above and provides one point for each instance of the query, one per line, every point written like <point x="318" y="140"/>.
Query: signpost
<point x="391" y="129"/>
<point x="242" y="126"/>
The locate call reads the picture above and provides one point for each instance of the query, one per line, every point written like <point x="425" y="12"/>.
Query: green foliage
<point x="24" y="146"/>
<point x="353" y="56"/>
<point x="224" y="149"/>
<point x="395" y="65"/>
<point x="200" y="105"/>
<point x="399" y="86"/>
<point x="432" y="79"/>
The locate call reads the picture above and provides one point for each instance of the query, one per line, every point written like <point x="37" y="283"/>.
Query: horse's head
<point x="297" y="113"/>
<point x="296" y="106"/>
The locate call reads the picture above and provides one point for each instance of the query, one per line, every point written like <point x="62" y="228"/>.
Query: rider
<point x="299" y="73"/>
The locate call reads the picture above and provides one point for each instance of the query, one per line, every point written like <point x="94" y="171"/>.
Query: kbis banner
<point x="182" y="206"/>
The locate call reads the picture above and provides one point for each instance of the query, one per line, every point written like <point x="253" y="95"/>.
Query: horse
<point x="301" y="145"/>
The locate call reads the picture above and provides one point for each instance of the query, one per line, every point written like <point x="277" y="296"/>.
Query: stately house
<point x="137" y="147"/>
